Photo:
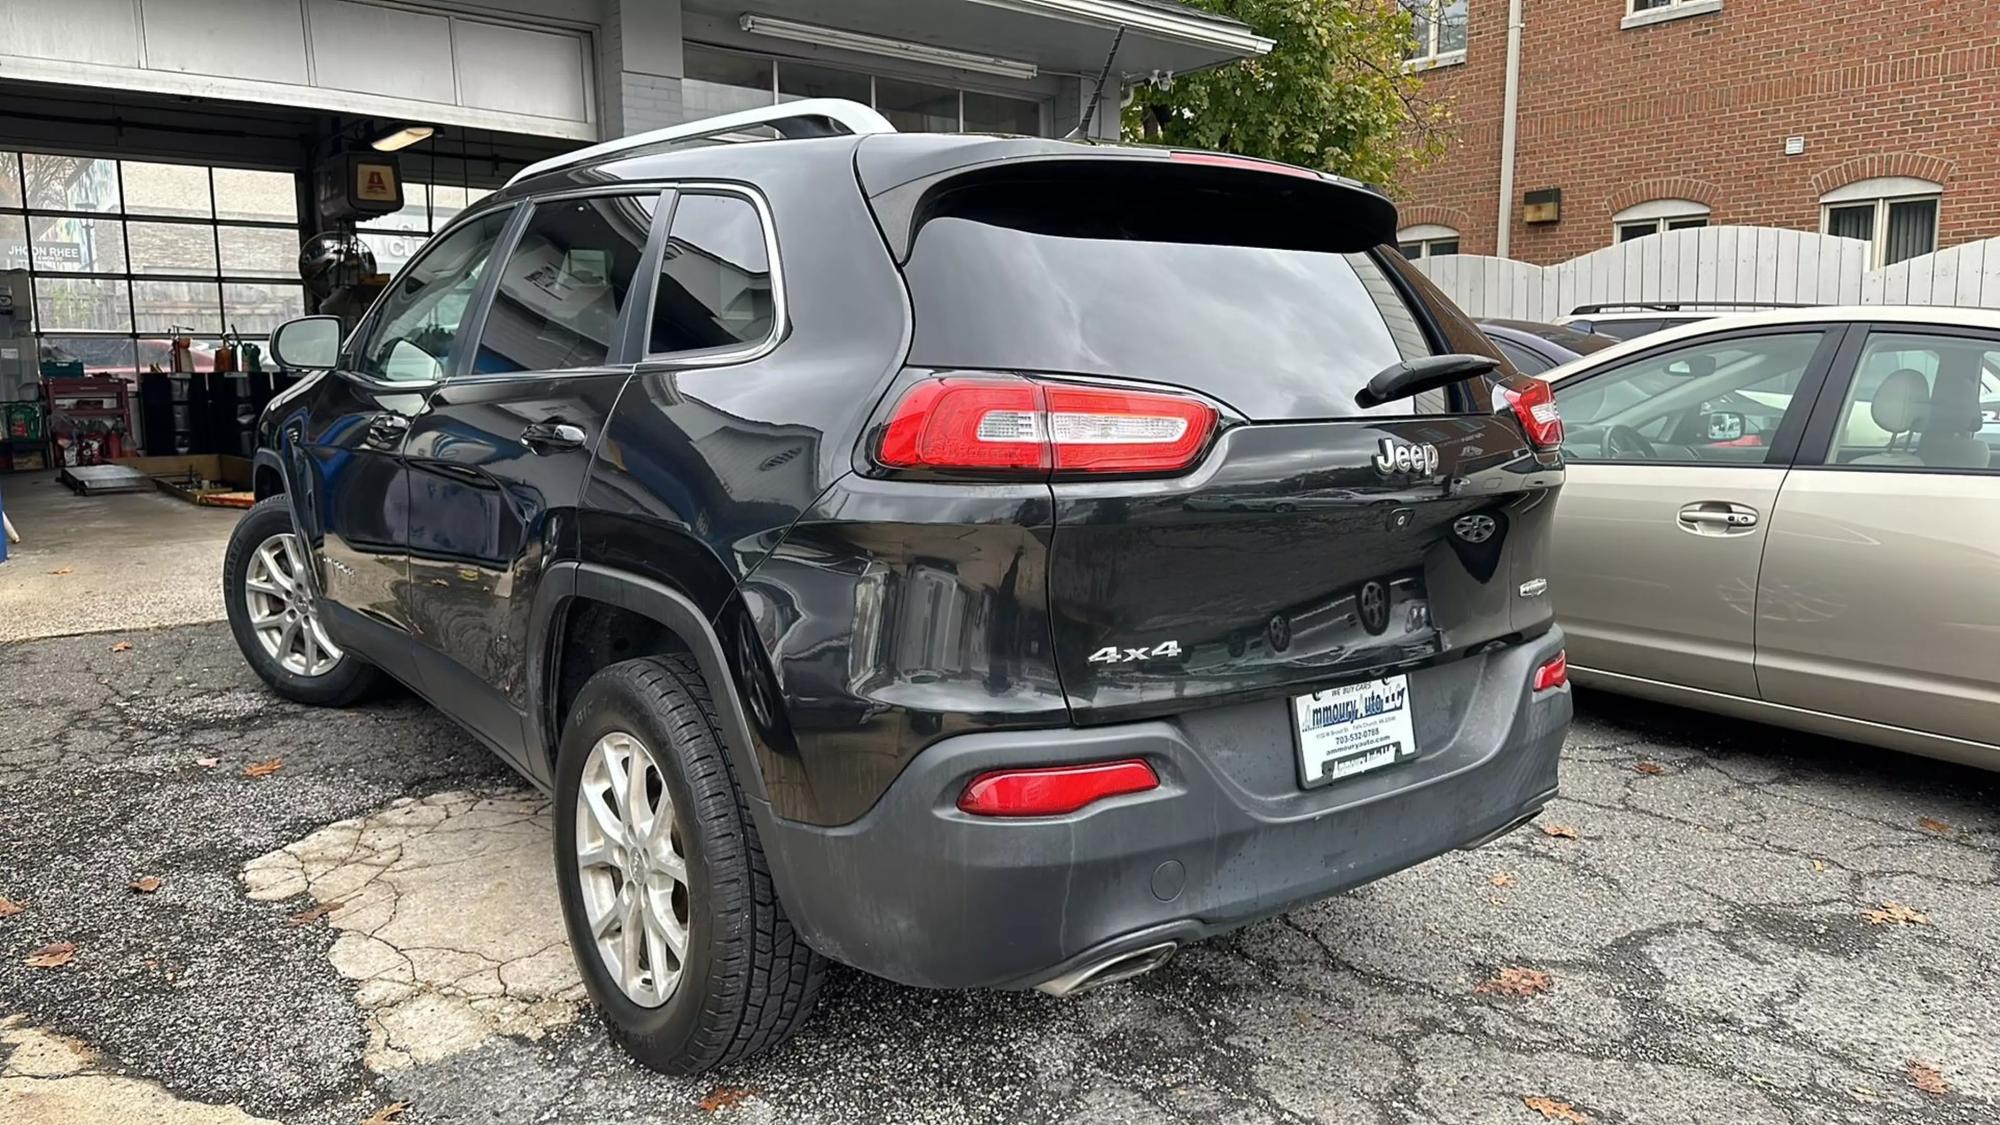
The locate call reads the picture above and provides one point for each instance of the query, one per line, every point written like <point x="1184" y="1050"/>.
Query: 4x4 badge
<point x="1405" y="457"/>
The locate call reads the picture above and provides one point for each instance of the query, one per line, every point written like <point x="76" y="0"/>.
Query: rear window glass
<point x="1161" y="292"/>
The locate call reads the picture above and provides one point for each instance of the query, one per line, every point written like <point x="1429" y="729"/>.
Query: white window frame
<point x="1640" y="13"/>
<point x="1660" y="215"/>
<point x="1426" y="236"/>
<point x="1882" y="192"/>
<point x="1427" y="21"/>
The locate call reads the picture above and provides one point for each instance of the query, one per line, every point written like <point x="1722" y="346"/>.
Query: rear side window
<point x="715" y="278"/>
<point x="1212" y="291"/>
<point x="1524" y="361"/>
<point x="565" y="283"/>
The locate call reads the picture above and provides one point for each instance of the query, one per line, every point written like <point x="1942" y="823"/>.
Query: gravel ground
<point x="1705" y="936"/>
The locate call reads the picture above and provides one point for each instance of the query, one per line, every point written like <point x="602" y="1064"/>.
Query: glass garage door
<point x="125" y="254"/>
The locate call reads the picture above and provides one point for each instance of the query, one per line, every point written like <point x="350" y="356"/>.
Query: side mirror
<point x="310" y="343"/>
<point x="1724" y="425"/>
<point x="1693" y="367"/>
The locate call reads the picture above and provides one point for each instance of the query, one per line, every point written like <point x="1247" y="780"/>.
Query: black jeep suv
<point x="987" y="562"/>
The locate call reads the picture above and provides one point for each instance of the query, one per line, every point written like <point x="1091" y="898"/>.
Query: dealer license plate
<point x="1352" y="729"/>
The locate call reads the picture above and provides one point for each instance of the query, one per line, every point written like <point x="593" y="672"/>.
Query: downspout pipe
<point x="1509" y="110"/>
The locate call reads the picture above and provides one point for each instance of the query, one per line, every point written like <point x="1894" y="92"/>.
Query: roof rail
<point x="809" y="117"/>
<point x="1682" y="306"/>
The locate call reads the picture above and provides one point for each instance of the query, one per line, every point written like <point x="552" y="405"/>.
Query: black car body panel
<point x="869" y="633"/>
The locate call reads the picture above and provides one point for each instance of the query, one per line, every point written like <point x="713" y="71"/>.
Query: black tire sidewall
<point x="667" y="1036"/>
<point x="349" y="678"/>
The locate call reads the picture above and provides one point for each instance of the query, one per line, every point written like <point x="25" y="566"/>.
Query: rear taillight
<point x="1011" y="424"/>
<point x="1554" y="674"/>
<point x="1535" y="405"/>
<point x="1054" y="790"/>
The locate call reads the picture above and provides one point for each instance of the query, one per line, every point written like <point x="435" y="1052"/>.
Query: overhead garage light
<point x="401" y="138"/>
<point x="888" y="48"/>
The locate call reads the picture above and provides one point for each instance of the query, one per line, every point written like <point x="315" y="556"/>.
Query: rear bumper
<point x="921" y="893"/>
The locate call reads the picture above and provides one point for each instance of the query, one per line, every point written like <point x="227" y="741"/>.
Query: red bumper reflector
<point x="1054" y="790"/>
<point x="1554" y="674"/>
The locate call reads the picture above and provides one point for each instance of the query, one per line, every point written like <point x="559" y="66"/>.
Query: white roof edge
<point x="1160" y="22"/>
<point x="854" y="117"/>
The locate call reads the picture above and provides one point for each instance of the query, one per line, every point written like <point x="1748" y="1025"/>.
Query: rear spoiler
<point x="1334" y="214"/>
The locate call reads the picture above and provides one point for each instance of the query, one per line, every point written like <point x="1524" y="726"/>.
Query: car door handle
<point x="552" y="437"/>
<point x="1718" y="516"/>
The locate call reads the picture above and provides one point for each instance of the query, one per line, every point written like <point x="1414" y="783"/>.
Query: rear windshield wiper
<point x="1415" y="376"/>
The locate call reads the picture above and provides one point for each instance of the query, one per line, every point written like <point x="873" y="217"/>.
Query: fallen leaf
<point x="1863" y="1093"/>
<point x="208" y="763"/>
<point x="60" y="570"/>
<point x="1932" y="825"/>
<point x="263" y="769"/>
<point x="313" y="914"/>
<point x="1553" y="1110"/>
<point x="1517" y="982"/>
<point x="725" y="1097"/>
<point x="1501" y="879"/>
<point x="51" y="956"/>
<point x="122" y="646"/>
<point x="9" y="908"/>
<point x="1650" y="768"/>
<point x="1897" y="913"/>
<point x="1929" y="1079"/>
<point x="1818" y="867"/>
<point x="146" y="884"/>
<point x="1560" y="831"/>
<point x="388" y="1114"/>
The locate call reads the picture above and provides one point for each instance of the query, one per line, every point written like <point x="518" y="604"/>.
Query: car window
<point x="411" y="335"/>
<point x="1921" y="401"/>
<point x="564" y="285"/>
<point x="715" y="277"/>
<point x="1524" y="361"/>
<point x="1713" y="400"/>
<point x="1625" y="329"/>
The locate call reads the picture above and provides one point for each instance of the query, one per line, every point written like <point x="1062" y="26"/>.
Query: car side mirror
<point x="310" y="343"/>
<point x="1693" y="367"/>
<point x="1724" y="425"/>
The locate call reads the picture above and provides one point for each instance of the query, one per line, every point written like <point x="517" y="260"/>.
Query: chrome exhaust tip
<point x="1124" y="966"/>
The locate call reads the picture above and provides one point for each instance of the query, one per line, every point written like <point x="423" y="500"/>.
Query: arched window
<point x="1426" y="240"/>
<point x="1896" y="215"/>
<point x="1657" y="215"/>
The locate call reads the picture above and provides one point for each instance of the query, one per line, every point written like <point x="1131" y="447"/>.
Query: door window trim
<point x="622" y="354"/>
<point x="1829" y="410"/>
<point x="1785" y="445"/>
<point x="649" y="361"/>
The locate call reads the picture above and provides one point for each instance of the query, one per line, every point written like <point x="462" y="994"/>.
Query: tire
<point x="745" y="981"/>
<point x="346" y="678"/>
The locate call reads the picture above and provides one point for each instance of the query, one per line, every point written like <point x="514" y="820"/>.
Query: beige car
<point x="1793" y="517"/>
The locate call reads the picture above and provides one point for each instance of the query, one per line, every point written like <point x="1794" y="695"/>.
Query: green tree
<point x="1332" y="93"/>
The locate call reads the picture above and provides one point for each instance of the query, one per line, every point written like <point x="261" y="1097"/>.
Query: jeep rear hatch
<point x="1278" y="535"/>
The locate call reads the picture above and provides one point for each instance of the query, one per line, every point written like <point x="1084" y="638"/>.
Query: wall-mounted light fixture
<point x="886" y="47"/>
<point x="1543" y="206"/>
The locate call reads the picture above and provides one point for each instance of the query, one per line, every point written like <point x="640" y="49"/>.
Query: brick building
<point x="1877" y="119"/>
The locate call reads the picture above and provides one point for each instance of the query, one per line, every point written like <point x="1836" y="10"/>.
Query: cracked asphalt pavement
<point x="1747" y="926"/>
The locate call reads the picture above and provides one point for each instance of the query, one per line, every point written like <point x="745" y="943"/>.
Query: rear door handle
<point x="552" y="437"/>
<point x="1713" y="517"/>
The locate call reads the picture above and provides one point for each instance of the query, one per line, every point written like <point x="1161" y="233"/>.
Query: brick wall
<point x="1700" y="107"/>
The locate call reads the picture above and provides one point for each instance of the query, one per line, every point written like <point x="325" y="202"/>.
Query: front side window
<point x="1718" y="400"/>
<point x="410" y="337"/>
<point x="1920" y="401"/>
<point x="1896" y="215"/>
<point x="564" y="285"/>
<point x="715" y="278"/>
<point x="1437" y="30"/>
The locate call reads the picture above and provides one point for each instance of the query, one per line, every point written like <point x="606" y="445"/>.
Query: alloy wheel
<point x="632" y="869"/>
<point x="282" y="611"/>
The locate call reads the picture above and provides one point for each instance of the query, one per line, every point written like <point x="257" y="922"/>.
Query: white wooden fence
<point x="1720" y="264"/>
